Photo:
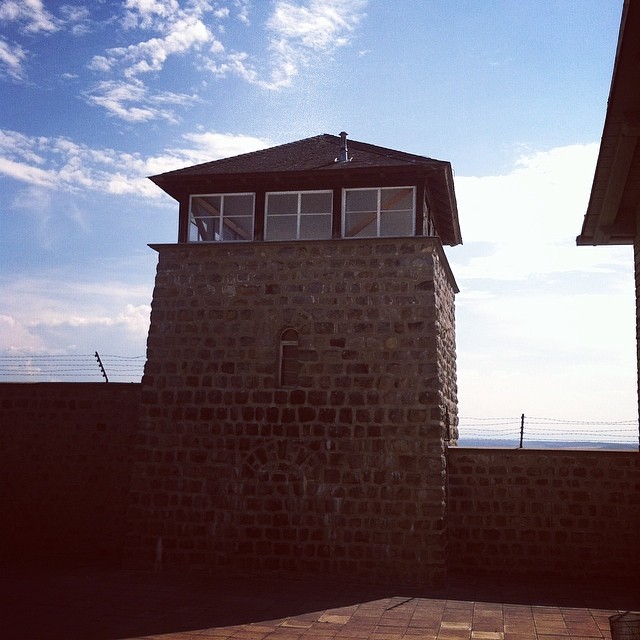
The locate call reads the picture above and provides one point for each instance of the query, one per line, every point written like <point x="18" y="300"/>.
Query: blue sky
<point x="96" y="96"/>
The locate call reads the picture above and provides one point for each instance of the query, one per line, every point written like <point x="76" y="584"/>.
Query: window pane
<point x="316" y="203"/>
<point x="396" y="200"/>
<point x="282" y="204"/>
<point x="397" y="223"/>
<point x="281" y="228"/>
<point x="238" y="205"/>
<point x="362" y="200"/>
<point x="205" y="206"/>
<point x="205" y="229"/>
<point x="361" y="225"/>
<point x="194" y="234"/>
<point x="315" y="227"/>
<point x="237" y="227"/>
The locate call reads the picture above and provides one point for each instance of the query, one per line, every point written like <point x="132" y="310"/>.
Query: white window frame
<point x="222" y="197"/>
<point x="299" y="215"/>
<point x="379" y="191"/>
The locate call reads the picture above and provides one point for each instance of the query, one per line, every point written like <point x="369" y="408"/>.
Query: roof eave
<point x="609" y="220"/>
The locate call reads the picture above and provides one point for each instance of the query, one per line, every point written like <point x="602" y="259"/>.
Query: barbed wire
<point x="84" y="368"/>
<point x="71" y="367"/>
<point x="524" y="429"/>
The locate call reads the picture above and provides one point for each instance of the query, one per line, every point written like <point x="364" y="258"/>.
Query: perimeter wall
<point x="65" y="470"/>
<point x="545" y="512"/>
<point x="66" y="454"/>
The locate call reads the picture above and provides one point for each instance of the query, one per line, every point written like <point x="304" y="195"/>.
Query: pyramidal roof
<point x="310" y="154"/>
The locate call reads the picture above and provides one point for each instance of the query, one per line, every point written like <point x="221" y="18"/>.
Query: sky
<point x="96" y="96"/>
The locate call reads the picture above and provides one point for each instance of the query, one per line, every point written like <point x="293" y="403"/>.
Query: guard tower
<point x="300" y="384"/>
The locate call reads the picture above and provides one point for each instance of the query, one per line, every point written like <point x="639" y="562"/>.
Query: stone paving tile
<point x="110" y="606"/>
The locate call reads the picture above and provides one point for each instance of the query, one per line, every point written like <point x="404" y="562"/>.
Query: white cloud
<point x="27" y="173"/>
<point x="298" y="33"/>
<point x="12" y="57"/>
<point x="31" y="14"/>
<point x="60" y="163"/>
<point x="543" y="326"/>
<point x="15" y="336"/>
<point x="530" y="217"/>
<point x="77" y="19"/>
<point x="50" y="327"/>
<point x="147" y="14"/>
<point x="151" y="55"/>
<point x="242" y="9"/>
<point x="34" y="19"/>
<point x="131" y="101"/>
<point x="43" y="314"/>
<point x="317" y="25"/>
<point x="179" y="30"/>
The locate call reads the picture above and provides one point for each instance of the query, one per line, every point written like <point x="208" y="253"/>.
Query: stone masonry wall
<point x="343" y="474"/>
<point x="544" y="512"/>
<point x="65" y="466"/>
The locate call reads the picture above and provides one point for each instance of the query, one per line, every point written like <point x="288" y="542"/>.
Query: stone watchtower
<point x="300" y="385"/>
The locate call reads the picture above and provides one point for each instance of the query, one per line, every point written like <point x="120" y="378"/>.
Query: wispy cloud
<point x="33" y="19"/>
<point x="12" y="57"/>
<point x="529" y="217"/>
<point x="131" y="100"/>
<point x="60" y="163"/>
<point x="294" y="35"/>
<point x="181" y="35"/>
<point x="77" y="19"/>
<point x="297" y="34"/>
<point x="177" y="31"/>
<point x="30" y="14"/>
<point x="317" y="25"/>
<point x="43" y="315"/>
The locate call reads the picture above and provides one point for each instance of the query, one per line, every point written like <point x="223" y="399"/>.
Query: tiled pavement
<point x="105" y="604"/>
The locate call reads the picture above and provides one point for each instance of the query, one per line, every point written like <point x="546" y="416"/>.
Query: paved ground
<point x="97" y="604"/>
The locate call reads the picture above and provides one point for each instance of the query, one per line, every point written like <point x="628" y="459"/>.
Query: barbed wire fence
<point x="517" y="431"/>
<point x="71" y="368"/>
<point x="522" y="430"/>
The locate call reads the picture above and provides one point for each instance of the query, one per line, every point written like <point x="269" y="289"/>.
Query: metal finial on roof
<point x="344" y="152"/>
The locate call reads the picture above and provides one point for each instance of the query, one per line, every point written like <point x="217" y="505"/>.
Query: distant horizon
<point x="547" y="444"/>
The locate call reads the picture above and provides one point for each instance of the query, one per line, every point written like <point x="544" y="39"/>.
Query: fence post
<point x="521" y="429"/>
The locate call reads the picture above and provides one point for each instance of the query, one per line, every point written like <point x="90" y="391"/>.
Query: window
<point x="222" y="218"/>
<point x="289" y="364"/>
<point x="303" y="215"/>
<point x="379" y="212"/>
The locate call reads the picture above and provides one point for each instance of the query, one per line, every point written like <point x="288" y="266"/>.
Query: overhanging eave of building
<point x="610" y="217"/>
<point x="613" y="209"/>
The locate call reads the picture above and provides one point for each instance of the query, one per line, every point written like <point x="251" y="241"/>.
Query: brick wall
<point x="344" y="473"/>
<point x="567" y="513"/>
<point x="65" y="466"/>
